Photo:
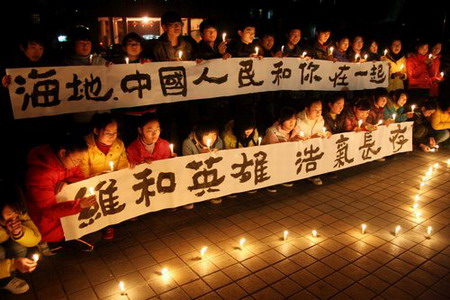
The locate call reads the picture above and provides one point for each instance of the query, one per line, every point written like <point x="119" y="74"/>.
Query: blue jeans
<point x="11" y="249"/>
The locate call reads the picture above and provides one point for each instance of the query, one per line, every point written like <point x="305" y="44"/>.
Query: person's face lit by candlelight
<point x="289" y="124"/>
<point x="436" y="50"/>
<point x="361" y="114"/>
<point x="381" y="101"/>
<point x="33" y="51"/>
<point x="209" y="34"/>
<point x="401" y="101"/>
<point x="150" y="132"/>
<point x="323" y="36"/>
<point x="396" y="46"/>
<point x="343" y="44"/>
<point x="107" y="135"/>
<point x="337" y="106"/>
<point x="358" y="43"/>
<point x="314" y="111"/>
<point x="267" y="42"/>
<point x="83" y="47"/>
<point x="373" y="47"/>
<point x="247" y="35"/>
<point x="294" y="36"/>
<point x="423" y="49"/>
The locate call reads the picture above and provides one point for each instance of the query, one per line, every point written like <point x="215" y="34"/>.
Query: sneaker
<point x="252" y="192"/>
<point x="216" y="201"/>
<point x="232" y="196"/>
<point x="271" y="189"/>
<point x="288" y="184"/>
<point x="381" y="159"/>
<point x="316" y="180"/>
<point x="16" y="286"/>
<point x="188" y="206"/>
<point x="108" y="233"/>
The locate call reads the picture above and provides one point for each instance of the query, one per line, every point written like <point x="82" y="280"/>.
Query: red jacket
<point x="435" y="76"/>
<point x="137" y="154"/>
<point x="419" y="76"/>
<point x="44" y="172"/>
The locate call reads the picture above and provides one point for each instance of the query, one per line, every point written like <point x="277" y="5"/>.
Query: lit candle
<point x="422" y="184"/>
<point x="208" y="143"/>
<point x="91" y="191"/>
<point x="380" y="122"/>
<point x="356" y="57"/>
<point x="442" y="74"/>
<point x="436" y="166"/>
<point x="90" y="59"/>
<point x="360" y="123"/>
<point x="412" y="108"/>
<point x="304" y="54"/>
<point x="394" y="116"/>
<point x="401" y="67"/>
<point x="397" y="229"/>
<point x="127" y="60"/>
<point x="256" y="51"/>
<point x="285" y="235"/>
<point x="171" y="148"/>
<point x="224" y="37"/>
<point x="430" y="56"/>
<point x="417" y="198"/>
<point x="385" y="52"/>
<point x="122" y="288"/>
<point x="365" y="56"/>
<point x="111" y="165"/>
<point x="259" y="141"/>
<point x="363" y="228"/>
<point x="324" y="130"/>
<point x="314" y="233"/>
<point x="164" y="272"/>
<point x="302" y="134"/>
<point x="35" y="257"/>
<point x="418" y="214"/>
<point x="448" y="163"/>
<point x="180" y="54"/>
<point x="429" y="231"/>
<point x="242" y="242"/>
<point x="415" y="206"/>
<point x="330" y="51"/>
<point x="203" y="250"/>
<point x="282" y="49"/>
<point x="432" y="149"/>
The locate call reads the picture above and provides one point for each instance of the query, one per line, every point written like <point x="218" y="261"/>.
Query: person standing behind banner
<point x="312" y="125"/>
<point x="203" y="139"/>
<point x="397" y="62"/>
<point x="319" y="47"/>
<point x="244" y="45"/>
<point x="397" y="106"/>
<point x="418" y="66"/>
<point x="334" y="114"/>
<point x="340" y="53"/>
<point x="105" y="153"/>
<point x="80" y="50"/>
<point x="51" y="168"/>
<point x="372" y="51"/>
<point x="436" y="76"/>
<point x="291" y="47"/>
<point x="285" y="129"/>
<point x="356" y="52"/>
<point x="149" y="146"/>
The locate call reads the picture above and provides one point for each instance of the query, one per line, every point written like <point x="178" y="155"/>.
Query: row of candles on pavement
<point x="314" y="233"/>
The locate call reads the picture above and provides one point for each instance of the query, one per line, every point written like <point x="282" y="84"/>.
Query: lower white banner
<point x="128" y="193"/>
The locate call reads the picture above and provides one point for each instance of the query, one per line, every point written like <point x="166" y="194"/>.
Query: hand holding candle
<point x="394" y="116"/>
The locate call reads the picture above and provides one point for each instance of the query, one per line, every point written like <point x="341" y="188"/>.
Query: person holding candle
<point x="356" y="52"/>
<point x="435" y="72"/>
<point x="244" y="46"/>
<point x="149" y="146"/>
<point x="356" y="119"/>
<point x="397" y="62"/>
<point x="440" y="121"/>
<point x="171" y="42"/>
<point x="292" y="47"/>
<point x="340" y="53"/>
<point x="372" y="53"/>
<point x="266" y="43"/>
<point x="397" y="106"/>
<point x="106" y="152"/>
<point x="423" y="132"/>
<point x="133" y="48"/>
<point x="80" y="42"/>
<point x="209" y="47"/>
<point x="334" y="114"/>
<point x="17" y="234"/>
<point x="51" y="167"/>
<point x="203" y="139"/>
<point x="418" y="67"/>
<point x="312" y="124"/>
<point x="376" y="114"/>
<point x="319" y="47"/>
<point x="285" y="129"/>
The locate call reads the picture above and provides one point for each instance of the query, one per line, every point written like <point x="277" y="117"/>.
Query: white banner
<point x="58" y="90"/>
<point x="174" y="182"/>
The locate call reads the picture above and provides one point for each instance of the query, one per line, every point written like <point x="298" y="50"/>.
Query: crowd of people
<point x="124" y="138"/>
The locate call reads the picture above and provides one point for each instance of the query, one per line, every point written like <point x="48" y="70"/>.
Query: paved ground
<point x="341" y="263"/>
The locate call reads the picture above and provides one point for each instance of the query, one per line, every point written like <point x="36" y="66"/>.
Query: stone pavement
<point x="340" y="263"/>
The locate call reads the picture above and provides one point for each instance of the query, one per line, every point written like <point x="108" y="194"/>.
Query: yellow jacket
<point x="230" y="140"/>
<point x="30" y="238"/>
<point x="440" y="120"/>
<point x="96" y="162"/>
<point x="396" y="66"/>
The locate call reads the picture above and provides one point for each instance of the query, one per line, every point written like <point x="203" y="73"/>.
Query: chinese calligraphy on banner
<point x="128" y="193"/>
<point x="50" y="91"/>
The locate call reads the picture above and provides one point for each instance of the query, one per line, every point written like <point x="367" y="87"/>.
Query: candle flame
<point x="314" y="233"/>
<point x="122" y="286"/>
<point x="224" y="37"/>
<point x="91" y="191"/>
<point x="397" y="229"/>
<point x="242" y="242"/>
<point x="259" y="141"/>
<point x="304" y="54"/>
<point x="385" y="52"/>
<point x="203" y="250"/>
<point x="164" y="272"/>
<point x="429" y="230"/>
<point x="436" y="166"/>
<point x="171" y="148"/>
<point x="285" y="235"/>
<point x="35" y="257"/>
<point x="363" y="228"/>
<point x="417" y="197"/>
<point x="127" y="60"/>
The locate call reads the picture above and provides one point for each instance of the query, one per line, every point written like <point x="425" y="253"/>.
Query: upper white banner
<point x="50" y="91"/>
<point x="174" y="182"/>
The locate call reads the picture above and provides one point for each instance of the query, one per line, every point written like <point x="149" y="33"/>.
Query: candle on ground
<point x="363" y="228"/>
<point x="285" y="235"/>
